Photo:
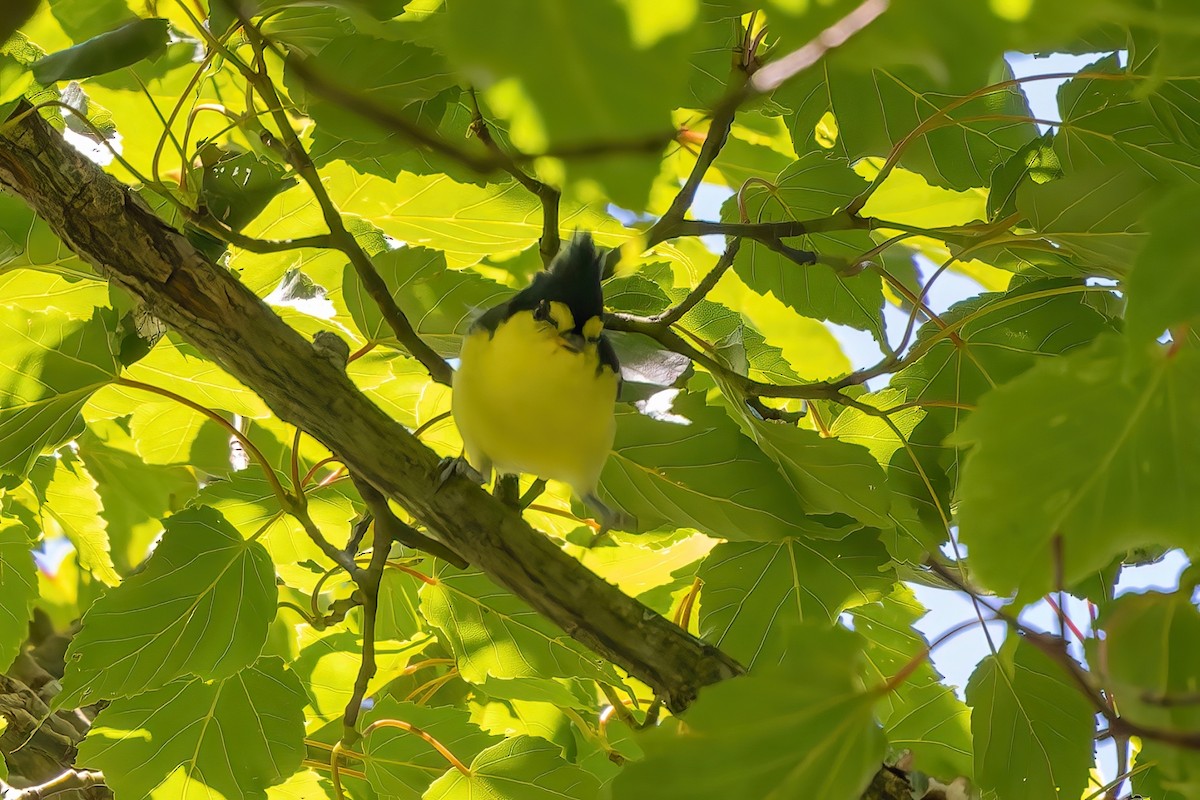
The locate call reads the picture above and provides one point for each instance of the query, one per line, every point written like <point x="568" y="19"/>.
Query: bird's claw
<point x="450" y="466"/>
<point x="609" y="519"/>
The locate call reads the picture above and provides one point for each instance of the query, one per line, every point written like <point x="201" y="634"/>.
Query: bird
<point x="536" y="387"/>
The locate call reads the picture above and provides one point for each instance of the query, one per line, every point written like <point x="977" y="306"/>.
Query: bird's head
<point x="567" y="294"/>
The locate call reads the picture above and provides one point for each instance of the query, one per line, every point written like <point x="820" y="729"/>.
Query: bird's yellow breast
<point x="530" y="404"/>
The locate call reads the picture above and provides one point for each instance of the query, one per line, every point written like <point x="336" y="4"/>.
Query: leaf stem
<point x="413" y="729"/>
<point x="285" y="500"/>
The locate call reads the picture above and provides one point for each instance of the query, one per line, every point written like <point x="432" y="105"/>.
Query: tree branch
<point x="82" y="781"/>
<point x="545" y="193"/>
<point x="338" y="235"/>
<point x="123" y="240"/>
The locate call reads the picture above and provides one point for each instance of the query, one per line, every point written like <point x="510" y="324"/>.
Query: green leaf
<point x="236" y="186"/>
<point x="49" y="366"/>
<point x="439" y="302"/>
<point x="14" y="15"/>
<point x="135" y="495"/>
<point x="73" y="508"/>
<point x="1164" y="285"/>
<point x="200" y="607"/>
<point x="178" y="366"/>
<point x="27" y="241"/>
<point x="466" y="222"/>
<point x="18" y="588"/>
<point x="519" y="768"/>
<point x="999" y="336"/>
<point x="1091" y="216"/>
<point x="804" y="728"/>
<point x="1031" y="726"/>
<point x="496" y="635"/>
<point x="83" y="19"/>
<point x="402" y="764"/>
<point x="829" y="476"/>
<point x="249" y="504"/>
<point x="1036" y="162"/>
<point x="876" y="108"/>
<point x="128" y="44"/>
<point x="328" y="660"/>
<point x="703" y="474"/>
<point x="234" y="737"/>
<point x="1150" y="656"/>
<point x="34" y="290"/>
<point x="921" y="714"/>
<point x="1088" y="447"/>
<point x="597" y="89"/>
<point x="753" y="592"/>
<point x="397" y="74"/>
<point x="814" y="186"/>
<point x="1110" y="123"/>
<point x="917" y="482"/>
<point x="168" y="433"/>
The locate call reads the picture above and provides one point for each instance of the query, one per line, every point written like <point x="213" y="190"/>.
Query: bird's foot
<point x="450" y="466"/>
<point x="609" y="519"/>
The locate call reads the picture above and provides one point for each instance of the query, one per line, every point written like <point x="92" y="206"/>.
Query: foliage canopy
<point x="359" y="162"/>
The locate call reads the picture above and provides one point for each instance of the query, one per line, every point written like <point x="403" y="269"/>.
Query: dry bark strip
<point x="111" y="229"/>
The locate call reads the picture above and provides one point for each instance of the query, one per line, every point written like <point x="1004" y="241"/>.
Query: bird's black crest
<point x="573" y="278"/>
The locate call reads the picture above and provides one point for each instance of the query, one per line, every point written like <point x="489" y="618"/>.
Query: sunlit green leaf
<point x="402" y="764"/>
<point x="18" y="588"/>
<point x="73" y="508"/>
<point x="921" y="714"/>
<point x="1032" y="729"/>
<point x="753" y="592"/>
<point x="812" y="187"/>
<point x="519" y="768"/>
<point x="130" y="43"/>
<point x="701" y="472"/>
<point x="235" y="736"/>
<point x="1047" y="450"/>
<point x="135" y="495"/>
<point x="200" y="607"/>
<point x="496" y="635"/>
<point x="328" y="661"/>
<point x="802" y="729"/>
<point x="49" y="366"/>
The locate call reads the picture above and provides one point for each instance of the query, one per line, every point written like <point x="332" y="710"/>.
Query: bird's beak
<point x="572" y="341"/>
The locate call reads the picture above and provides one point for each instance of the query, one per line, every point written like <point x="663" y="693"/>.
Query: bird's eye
<point x="542" y="312"/>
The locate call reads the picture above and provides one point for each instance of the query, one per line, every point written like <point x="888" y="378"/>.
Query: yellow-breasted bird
<point x="538" y="380"/>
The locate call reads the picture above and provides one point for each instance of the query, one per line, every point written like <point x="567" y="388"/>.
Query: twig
<point x="251" y="450"/>
<point x="73" y="781"/>
<point x="546" y="194"/>
<point x="401" y="531"/>
<point x="773" y="75"/>
<point x="299" y="510"/>
<point x="368" y="581"/>
<point x="701" y="290"/>
<point x="439" y="370"/>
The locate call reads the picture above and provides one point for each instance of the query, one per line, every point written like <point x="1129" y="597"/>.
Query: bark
<point x="110" y="228"/>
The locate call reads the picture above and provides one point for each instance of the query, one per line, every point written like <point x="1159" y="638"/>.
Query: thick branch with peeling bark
<point x="127" y="243"/>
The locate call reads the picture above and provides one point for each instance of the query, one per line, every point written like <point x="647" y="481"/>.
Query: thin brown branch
<point x="401" y="531"/>
<point x="89" y="784"/>
<point x="255" y="454"/>
<point x="546" y="194"/>
<point x="338" y="234"/>
<point x="774" y="74"/>
<point x="368" y="581"/>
